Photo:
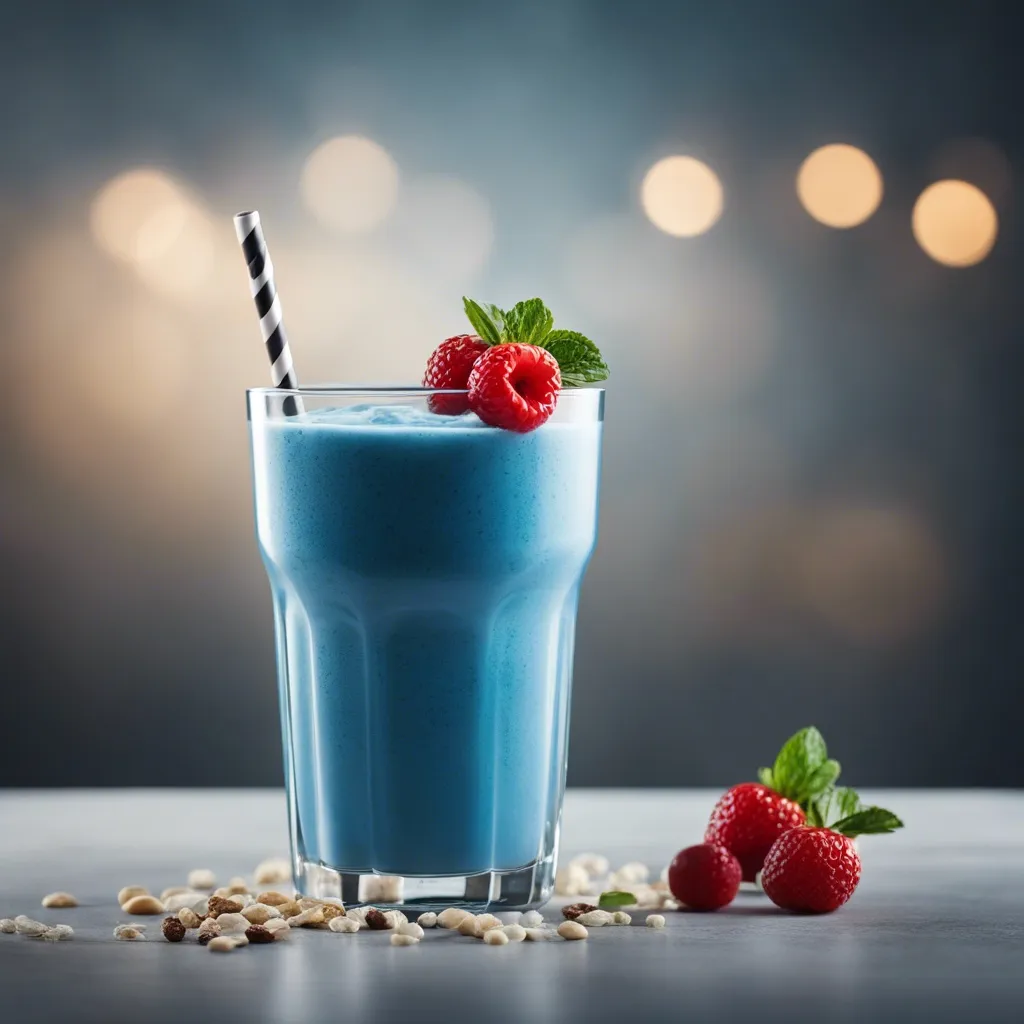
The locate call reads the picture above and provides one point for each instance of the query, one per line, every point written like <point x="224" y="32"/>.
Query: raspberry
<point x="705" y="877"/>
<point x="514" y="386"/>
<point x="448" y="368"/>
<point x="813" y="870"/>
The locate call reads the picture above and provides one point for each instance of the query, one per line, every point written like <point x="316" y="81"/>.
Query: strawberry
<point x="815" y="870"/>
<point x="747" y="820"/>
<point x="705" y="877"/>
<point x="448" y="369"/>
<point x="514" y="386"/>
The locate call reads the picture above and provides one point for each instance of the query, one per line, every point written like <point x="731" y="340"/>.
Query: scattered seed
<point x="258" y="913"/>
<point x="179" y="900"/>
<point x="7" y="926"/>
<point x="539" y="934"/>
<point x="621" y="917"/>
<point x="309" y="918"/>
<point x="176" y="890"/>
<point x="209" y="929"/>
<point x="278" y="927"/>
<point x="290" y="909"/>
<point x="129" y="891"/>
<point x="495" y="937"/>
<point x="376" y="920"/>
<point x="238" y="885"/>
<point x="572" y="930"/>
<point x="468" y="926"/>
<point x="173" y="929"/>
<point x="398" y="939"/>
<point x="594" y="864"/>
<point x="26" y="926"/>
<point x="513" y="932"/>
<point x="258" y="934"/>
<point x="395" y="918"/>
<point x="331" y="911"/>
<point x="347" y="925"/>
<point x="531" y="919"/>
<point x="143" y="905"/>
<point x="60" y="899"/>
<point x="129" y="933"/>
<point x="201" y="878"/>
<point x="273" y="899"/>
<point x="272" y="871"/>
<point x="232" y="924"/>
<point x="427" y="920"/>
<point x="572" y="880"/>
<point x="596" y="918"/>
<point x="660" y="886"/>
<point x="409" y="928"/>
<point x="189" y="918"/>
<point x="58" y="933"/>
<point x="573" y="910"/>
<point x="634" y="871"/>
<point x="227" y="943"/>
<point x="655" y="921"/>
<point x="451" y="918"/>
<point x="219" y="905"/>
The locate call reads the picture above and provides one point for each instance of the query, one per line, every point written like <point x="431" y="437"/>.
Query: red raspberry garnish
<point x="448" y="368"/>
<point x="705" y="877"/>
<point x="514" y="386"/>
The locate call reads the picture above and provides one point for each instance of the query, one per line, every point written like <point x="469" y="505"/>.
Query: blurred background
<point x="794" y="229"/>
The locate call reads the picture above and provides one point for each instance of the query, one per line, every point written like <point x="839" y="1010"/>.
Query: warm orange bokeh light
<point x="839" y="185"/>
<point x="682" y="196"/>
<point x="955" y="223"/>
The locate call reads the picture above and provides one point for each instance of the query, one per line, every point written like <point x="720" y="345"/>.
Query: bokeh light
<point x="350" y="183"/>
<point x="955" y="223"/>
<point x="839" y="185"/>
<point x="682" y="196"/>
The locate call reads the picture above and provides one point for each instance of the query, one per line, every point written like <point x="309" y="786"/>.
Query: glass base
<point x="524" y="888"/>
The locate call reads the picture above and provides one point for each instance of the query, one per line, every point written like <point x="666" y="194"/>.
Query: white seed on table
<point x="596" y="918"/>
<point x="238" y="885"/>
<point x="621" y="917"/>
<point x="60" y="899"/>
<point x="272" y="871"/>
<point x="26" y="926"/>
<point x="572" y="930"/>
<point x="409" y="928"/>
<point x="531" y="919"/>
<point x="655" y="921"/>
<point x="359" y="914"/>
<point x="495" y="937"/>
<point x="539" y="934"/>
<point x="395" y="918"/>
<point x="58" y="933"/>
<point x="201" y="878"/>
<point x="427" y="920"/>
<point x="201" y="907"/>
<point x="189" y="918"/>
<point x="260" y="913"/>
<point x="7" y="926"/>
<point x="143" y="905"/>
<point x="660" y="886"/>
<point x="246" y="899"/>
<point x="179" y="900"/>
<point x="346" y="925"/>
<point x="594" y="864"/>
<point x="280" y="929"/>
<point x="634" y="871"/>
<point x="210" y="927"/>
<point x="667" y="904"/>
<point x="572" y="880"/>
<point x="452" y="917"/>
<point x="487" y="922"/>
<point x="468" y="926"/>
<point x="227" y="943"/>
<point x="129" y="933"/>
<point x="398" y="939"/>
<point x="232" y="924"/>
<point x="307" y="918"/>
<point x="174" y="890"/>
<point x="513" y="932"/>
<point x="129" y="891"/>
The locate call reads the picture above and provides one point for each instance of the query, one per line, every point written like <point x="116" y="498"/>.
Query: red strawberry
<point x="747" y="820"/>
<point x="814" y="870"/>
<point x="514" y="386"/>
<point x="448" y="368"/>
<point x="705" y="877"/>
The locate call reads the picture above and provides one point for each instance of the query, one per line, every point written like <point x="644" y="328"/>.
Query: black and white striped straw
<point x="268" y="305"/>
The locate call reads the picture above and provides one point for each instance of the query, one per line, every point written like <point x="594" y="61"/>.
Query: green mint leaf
<point x="802" y="769"/>
<point x="482" y="321"/>
<point x="765" y="777"/>
<point x="836" y="803"/>
<point x="616" y="898"/>
<point x="528" y="323"/>
<point x="870" y="821"/>
<point x="579" y="359"/>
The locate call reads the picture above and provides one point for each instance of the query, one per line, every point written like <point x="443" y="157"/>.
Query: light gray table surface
<point x="935" y="932"/>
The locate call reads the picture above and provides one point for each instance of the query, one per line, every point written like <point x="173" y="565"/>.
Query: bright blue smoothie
<point x="425" y="572"/>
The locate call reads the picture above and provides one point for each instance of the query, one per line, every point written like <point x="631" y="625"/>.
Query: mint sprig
<point x="836" y="803"/>
<point x="870" y="821"/>
<point x="803" y="770"/>
<point x="531" y="323"/>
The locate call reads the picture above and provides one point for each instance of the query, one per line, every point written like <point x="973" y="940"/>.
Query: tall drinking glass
<point x="425" y="572"/>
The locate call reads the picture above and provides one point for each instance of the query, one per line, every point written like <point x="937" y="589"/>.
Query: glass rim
<point x="381" y="391"/>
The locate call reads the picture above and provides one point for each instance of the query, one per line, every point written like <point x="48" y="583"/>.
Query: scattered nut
<point x="376" y="920"/>
<point x="539" y="934"/>
<point x="572" y="930"/>
<point x="238" y="885"/>
<point x="621" y="917"/>
<point x="310" y="918"/>
<point x="143" y="905"/>
<point x="129" y="933"/>
<point x="347" y="925"/>
<point x="451" y="917"/>
<point x="173" y="929"/>
<point x="646" y="897"/>
<point x="495" y="937"/>
<point x="58" y="933"/>
<point x="278" y="927"/>
<point x="175" y="890"/>
<point x="201" y="878"/>
<point x="227" y="943"/>
<point x="468" y="926"/>
<point x="201" y="907"/>
<point x="398" y="939"/>
<point x="258" y="913"/>
<point x="531" y="919"/>
<point x="331" y="911"/>
<point x="596" y="918"/>
<point x="60" y="899"/>
<point x="594" y="864"/>
<point x="189" y="918"/>
<point x="573" y="910"/>
<point x="232" y="924"/>
<point x="7" y="926"/>
<point x="258" y="934"/>
<point x="655" y="921"/>
<point x="408" y="928"/>
<point x="129" y="891"/>
<point x="395" y="918"/>
<point x="209" y="929"/>
<point x="272" y="871"/>
<point x="26" y="926"/>
<point x="273" y="899"/>
<point x="219" y="905"/>
<point x="289" y="909"/>
<point x="176" y="901"/>
<point x="427" y="920"/>
<point x="572" y="880"/>
<point x="513" y="932"/>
